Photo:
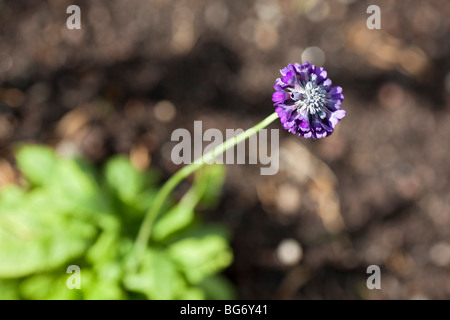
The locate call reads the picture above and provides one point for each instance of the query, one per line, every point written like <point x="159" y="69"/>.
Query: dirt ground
<point x="374" y="193"/>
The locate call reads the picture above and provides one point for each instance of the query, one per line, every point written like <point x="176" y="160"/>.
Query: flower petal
<point x="306" y="101"/>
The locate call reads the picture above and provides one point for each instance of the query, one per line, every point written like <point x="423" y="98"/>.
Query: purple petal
<point x="308" y="135"/>
<point x="336" y="116"/>
<point x="327" y="112"/>
<point x="279" y="97"/>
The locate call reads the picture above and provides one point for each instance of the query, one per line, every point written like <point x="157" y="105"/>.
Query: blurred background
<point x="376" y="192"/>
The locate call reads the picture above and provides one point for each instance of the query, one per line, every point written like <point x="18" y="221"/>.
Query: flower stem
<point x="152" y="214"/>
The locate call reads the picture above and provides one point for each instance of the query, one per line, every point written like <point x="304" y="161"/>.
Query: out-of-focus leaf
<point x="70" y="181"/>
<point x="104" y="290"/>
<point x="103" y="283"/>
<point x="105" y="248"/>
<point x="111" y="271"/>
<point x="144" y="200"/>
<point x="125" y="179"/>
<point x="9" y="289"/>
<point x="201" y="256"/>
<point x="36" y="163"/>
<point x="210" y="180"/>
<point x="50" y="286"/>
<point x="217" y="287"/>
<point x="158" y="277"/>
<point x="206" y="189"/>
<point x="178" y="217"/>
<point x="74" y="190"/>
<point x="75" y="179"/>
<point x="11" y="196"/>
<point x="32" y="243"/>
<point x="68" y="217"/>
<point x="200" y="230"/>
<point x="193" y="294"/>
<point x="93" y="285"/>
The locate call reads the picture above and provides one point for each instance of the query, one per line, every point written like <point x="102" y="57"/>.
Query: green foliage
<point x="36" y="162"/>
<point x="205" y="190"/>
<point x="70" y="213"/>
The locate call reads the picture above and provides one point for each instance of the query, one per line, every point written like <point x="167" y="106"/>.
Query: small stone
<point x="289" y="252"/>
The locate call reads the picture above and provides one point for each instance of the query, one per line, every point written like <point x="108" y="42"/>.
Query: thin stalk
<point x="153" y="213"/>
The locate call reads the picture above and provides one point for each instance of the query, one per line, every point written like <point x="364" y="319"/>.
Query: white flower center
<point x="310" y="99"/>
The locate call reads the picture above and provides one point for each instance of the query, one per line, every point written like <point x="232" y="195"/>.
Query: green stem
<point x="151" y="215"/>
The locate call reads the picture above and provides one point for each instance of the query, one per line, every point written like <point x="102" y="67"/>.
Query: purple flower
<point x="306" y="102"/>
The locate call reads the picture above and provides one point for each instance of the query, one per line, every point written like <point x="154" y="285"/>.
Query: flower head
<point x="306" y="102"/>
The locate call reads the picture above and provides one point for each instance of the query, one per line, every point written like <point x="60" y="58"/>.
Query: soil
<point x="376" y="192"/>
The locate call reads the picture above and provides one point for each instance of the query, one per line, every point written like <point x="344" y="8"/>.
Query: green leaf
<point x="103" y="283"/>
<point x="48" y="286"/>
<point x="9" y="289"/>
<point x="217" y="287"/>
<point x="105" y="248"/>
<point x="75" y="190"/>
<point x="177" y="217"/>
<point x="11" y="196"/>
<point x="68" y="217"/>
<point x="124" y="179"/>
<point x="75" y="179"/>
<point x="38" y="242"/>
<point x="158" y="278"/>
<point x="36" y="163"/>
<point x="193" y="293"/>
<point x="199" y="257"/>
<point x="206" y="189"/>
<point x="200" y="230"/>
<point x="210" y="181"/>
<point x="104" y="290"/>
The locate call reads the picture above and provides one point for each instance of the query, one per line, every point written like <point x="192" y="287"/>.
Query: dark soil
<point x="374" y="193"/>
